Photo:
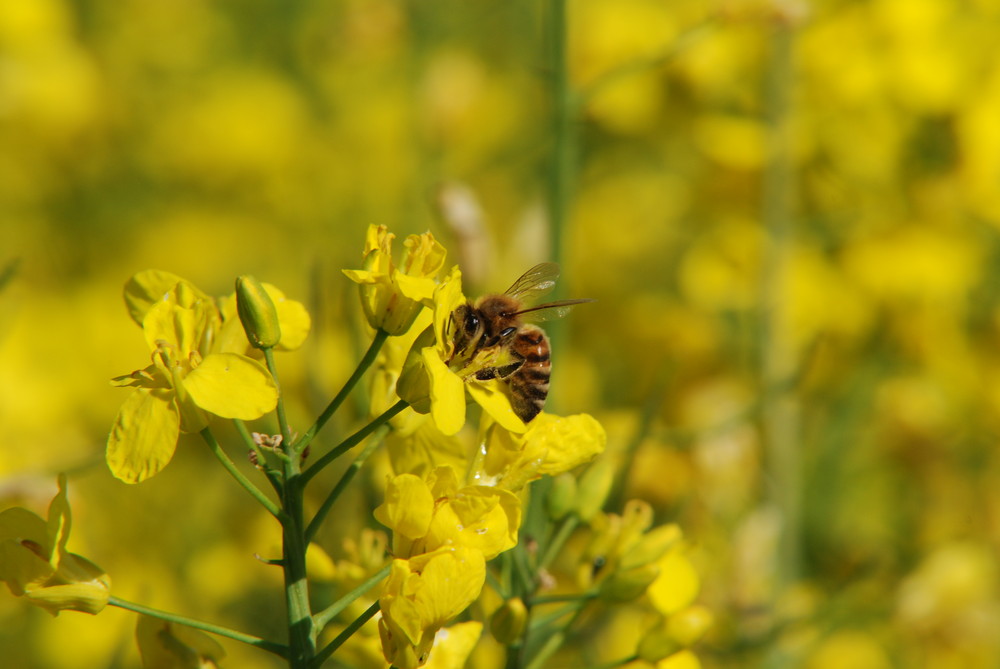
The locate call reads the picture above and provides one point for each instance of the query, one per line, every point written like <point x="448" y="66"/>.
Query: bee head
<point x="469" y="328"/>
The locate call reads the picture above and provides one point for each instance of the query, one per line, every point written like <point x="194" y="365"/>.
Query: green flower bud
<point x="652" y="546"/>
<point x="657" y="644"/>
<point x="257" y="313"/>
<point x="626" y="585"/>
<point x="562" y="496"/>
<point x="507" y="623"/>
<point x="595" y="486"/>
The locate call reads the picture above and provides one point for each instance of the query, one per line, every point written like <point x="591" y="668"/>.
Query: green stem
<point x="560" y="599"/>
<point x="353" y="440"/>
<point x="545" y="621"/>
<point x="553" y="642"/>
<point x="321" y="619"/>
<point x="366" y="362"/>
<point x="563" y="535"/>
<point x="342" y="484"/>
<point x="286" y="431"/>
<point x="230" y="466"/>
<point x="301" y="633"/>
<point x="257" y="642"/>
<point x="348" y="632"/>
<point x="562" y="116"/>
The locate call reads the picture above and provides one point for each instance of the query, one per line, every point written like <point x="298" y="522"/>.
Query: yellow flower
<point x="35" y="564"/>
<point x="453" y="645"/>
<point x="434" y="377"/>
<point x="550" y="446"/>
<point x="191" y="376"/>
<point x="429" y="514"/>
<point x="163" y="645"/>
<point x="422" y="594"/>
<point x="392" y="296"/>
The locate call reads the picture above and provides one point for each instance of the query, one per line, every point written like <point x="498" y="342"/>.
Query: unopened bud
<point x="652" y="546"/>
<point x="595" y="486"/>
<point x="257" y="313"/>
<point x="562" y="496"/>
<point x="507" y="623"/>
<point x="626" y="585"/>
<point x="657" y="644"/>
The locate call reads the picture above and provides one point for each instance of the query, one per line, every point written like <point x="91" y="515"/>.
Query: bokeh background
<point x="787" y="211"/>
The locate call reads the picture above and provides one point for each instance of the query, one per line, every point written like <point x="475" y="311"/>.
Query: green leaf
<point x="232" y="386"/>
<point x="144" y="435"/>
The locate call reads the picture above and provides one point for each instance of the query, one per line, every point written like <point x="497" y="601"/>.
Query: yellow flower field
<point x="771" y="440"/>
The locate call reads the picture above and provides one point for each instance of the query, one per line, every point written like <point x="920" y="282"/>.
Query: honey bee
<point x="495" y="322"/>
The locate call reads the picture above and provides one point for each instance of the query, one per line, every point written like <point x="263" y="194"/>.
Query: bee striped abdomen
<point x="529" y="384"/>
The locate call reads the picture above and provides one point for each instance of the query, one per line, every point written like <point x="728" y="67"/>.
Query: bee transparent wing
<point x="550" y="310"/>
<point x="535" y="283"/>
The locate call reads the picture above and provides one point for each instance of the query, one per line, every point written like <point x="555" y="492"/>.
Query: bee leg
<point x="501" y="372"/>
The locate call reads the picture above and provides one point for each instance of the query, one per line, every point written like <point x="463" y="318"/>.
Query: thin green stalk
<point x="556" y="544"/>
<point x="230" y="466"/>
<point x="495" y="583"/>
<point x="257" y="642"/>
<point x="348" y="632"/>
<point x="286" y="431"/>
<point x="559" y="599"/>
<point x="301" y="634"/>
<point x="366" y="362"/>
<point x="779" y="362"/>
<point x="321" y="619"/>
<point x="560" y="172"/>
<point x="553" y="642"/>
<point x="780" y="413"/>
<point x="353" y="440"/>
<point x="344" y="481"/>
<point x="544" y="621"/>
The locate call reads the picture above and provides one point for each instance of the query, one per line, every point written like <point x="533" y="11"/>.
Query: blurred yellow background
<point x="787" y="211"/>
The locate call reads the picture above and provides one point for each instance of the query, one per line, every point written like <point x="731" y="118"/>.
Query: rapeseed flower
<point x="200" y="367"/>
<point x="435" y="376"/>
<point x="392" y="296"/>
<point x="427" y="514"/>
<point x="36" y="565"/>
<point x="549" y="446"/>
<point x="420" y="595"/>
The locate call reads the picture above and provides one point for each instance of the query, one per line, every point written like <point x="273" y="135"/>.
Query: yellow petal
<point x="491" y="397"/>
<point x="453" y="645"/>
<point x="294" y="319"/>
<point x="452" y="581"/>
<point x="144" y="435"/>
<point x="447" y="297"/>
<point x="565" y="441"/>
<point x="482" y="518"/>
<point x="408" y="506"/>
<point x="146" y="289"/>
<point x="447" y="393"/>
<point x="676" y="586"/>
<point x="419" y="289"/>
<point x="232" y="386"/>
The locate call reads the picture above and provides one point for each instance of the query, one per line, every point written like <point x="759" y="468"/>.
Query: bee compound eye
<point x="471" y="322"/>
